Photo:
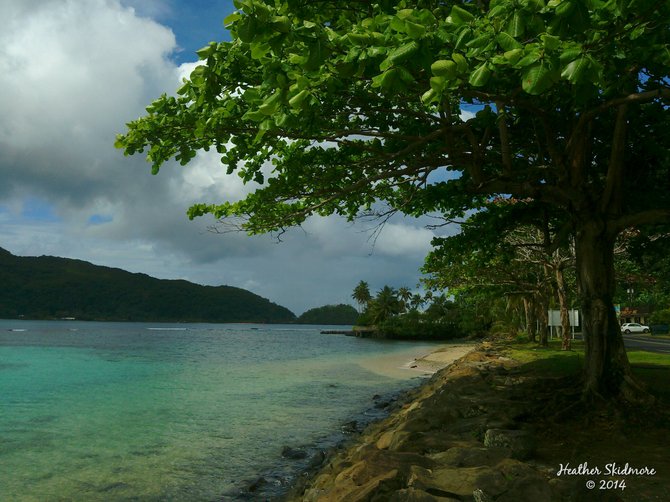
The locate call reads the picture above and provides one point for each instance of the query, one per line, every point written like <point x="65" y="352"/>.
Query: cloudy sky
<point x="72" y="73"/>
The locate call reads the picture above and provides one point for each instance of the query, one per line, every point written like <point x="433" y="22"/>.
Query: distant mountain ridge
<point x="48" y="287"/>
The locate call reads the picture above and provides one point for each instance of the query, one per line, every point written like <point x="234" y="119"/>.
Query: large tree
<point x="506" y="249"/>
<point x="362" y="295"/>
<point x="334" y="106"/>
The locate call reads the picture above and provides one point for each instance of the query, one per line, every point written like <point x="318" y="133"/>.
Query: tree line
<point x="400" y="313"/>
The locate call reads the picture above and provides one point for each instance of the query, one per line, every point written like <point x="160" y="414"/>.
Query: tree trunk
<point x="530" y="318"/>
<point x="607" y="371"/>
<point x="563" y="306"/>
<point x="543" y="319"/>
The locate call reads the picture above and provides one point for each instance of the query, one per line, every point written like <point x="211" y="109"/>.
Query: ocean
<point x="176" y="412"/>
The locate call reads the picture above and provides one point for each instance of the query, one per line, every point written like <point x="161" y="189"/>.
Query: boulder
<point x="350" y="427"/>
<point x="520" y="442"/>
<point x="526" y="482"/>
<point x="459" y="483"/>
<point x="414" y="495"/>
<point x="459" y="456"/>
<point x="293" y="453"/>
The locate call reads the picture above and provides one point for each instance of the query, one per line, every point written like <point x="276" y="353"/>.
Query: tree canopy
<point x="333" y="107"/>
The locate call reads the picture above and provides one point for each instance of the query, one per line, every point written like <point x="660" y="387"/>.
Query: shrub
<point x="413" y="328"/>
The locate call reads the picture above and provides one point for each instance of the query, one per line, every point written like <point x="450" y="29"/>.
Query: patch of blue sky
<point x="195" y="23"/>
<point x="100" y="219"/>
<point x="36" y="209"/>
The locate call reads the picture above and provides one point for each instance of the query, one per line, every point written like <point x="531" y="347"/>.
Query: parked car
<point x="634" y="327"/>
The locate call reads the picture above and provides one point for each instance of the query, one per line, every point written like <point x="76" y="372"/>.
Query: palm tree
<point x="404" y="295"/>
<point x="362" y="295"/>
<point x="385" y="305"/>
<point x="417" y="301"/>
<point x="439" y="308"/>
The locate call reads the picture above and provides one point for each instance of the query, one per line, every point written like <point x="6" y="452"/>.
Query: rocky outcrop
<point x="458" y="438"/>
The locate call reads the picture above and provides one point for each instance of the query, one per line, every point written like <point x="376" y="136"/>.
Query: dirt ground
<point x="604" y="436"/>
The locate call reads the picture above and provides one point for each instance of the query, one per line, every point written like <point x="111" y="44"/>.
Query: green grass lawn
<point x="650" y="367"/>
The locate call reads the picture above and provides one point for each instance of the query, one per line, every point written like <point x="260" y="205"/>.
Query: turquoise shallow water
<point x="133" y="411"/>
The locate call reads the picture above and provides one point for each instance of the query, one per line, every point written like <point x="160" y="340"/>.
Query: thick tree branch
<point x="641" y="218"/>
<point x="634" y="98"/>
<point x="504" y="139"/>
<point x="539" y="192"/>
<point x="611" y="198"/>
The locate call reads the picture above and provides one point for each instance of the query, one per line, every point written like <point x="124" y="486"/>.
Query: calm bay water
<point x="134" y="411"/>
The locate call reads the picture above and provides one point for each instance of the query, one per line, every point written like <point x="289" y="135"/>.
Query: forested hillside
<point x="46" y="287"/>
<point x="330" y="314"/>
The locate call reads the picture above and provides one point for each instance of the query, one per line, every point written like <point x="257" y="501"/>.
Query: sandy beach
<point x="419" y="360"/>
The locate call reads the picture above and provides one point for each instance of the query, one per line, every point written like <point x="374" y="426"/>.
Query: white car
<point x="633" y="327"/>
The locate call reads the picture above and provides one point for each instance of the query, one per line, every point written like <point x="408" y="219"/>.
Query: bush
<point x="661" y="317"/>
<point x="413" y="328"/>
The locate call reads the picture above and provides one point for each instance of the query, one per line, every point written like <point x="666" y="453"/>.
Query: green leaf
<point x="507" y="42"/>
<point x="271" y="104"/>
<point x="359" y="38"/>
<point x="397" y="24"/>
<point x="565" y="8"/>
<point x="259" y="51"/>
<point x="317" y="54"/>
<point x="497" y="11"/>
<point x="246" y="29"/>
<point x="480" y="41"/>
<point x="513" y="56"/>
<point x="297" y="59"/>
<point x="536" y="5"/>
<point x="298" y="100"/>
<point x="281" y="23"/>
<point x="404" y="75"/>
<point x="480" y="76"/>
<point x="444" y="68"/>
<point x="428" y="96"/>
<point x="253" y="115"/>
<point x="570" y="54"/>
<point x="550" y="42"/>
<point x="538" y="78"/>
<point x="204" y="52"/>
<point x="386" y="80"/>
<point x="517" y="26"/>
<point x="403" y="52"/>
<point x="460" y="16"/>
<point x="582" y="70"/>
<point x="529" y="58"/>
<point x="438" y="83"/>
<point x="414" y="30"/>
<point x="463" y="38"/>
<point x="460" y="61"/>
<point x="230" y="19"/>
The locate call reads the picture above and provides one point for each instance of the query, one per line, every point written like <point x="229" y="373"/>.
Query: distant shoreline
<point x="420" y="360"/>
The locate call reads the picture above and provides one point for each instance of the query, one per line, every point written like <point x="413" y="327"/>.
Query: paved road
<point x="646" y="342"/>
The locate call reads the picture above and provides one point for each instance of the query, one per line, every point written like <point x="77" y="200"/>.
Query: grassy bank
<point x="653" y="369"/>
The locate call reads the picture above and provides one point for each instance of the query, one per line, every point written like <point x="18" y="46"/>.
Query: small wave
<point x="17" y="329"/>
<point x="167" y="329"/>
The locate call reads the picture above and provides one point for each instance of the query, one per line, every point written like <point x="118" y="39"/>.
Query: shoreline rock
<point x="457" y="437"/>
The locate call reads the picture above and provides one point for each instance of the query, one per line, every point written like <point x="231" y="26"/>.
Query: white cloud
<point x="466" y="114"/>
<point x="72" y="74"/>
<point x="404" y="240"/>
